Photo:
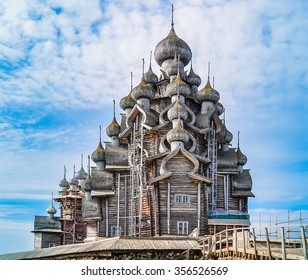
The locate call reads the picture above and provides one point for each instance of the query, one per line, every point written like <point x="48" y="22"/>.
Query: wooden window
<point x="182" y="199"/>
<point x="182" y="228"/>
<point x="115" y="231"/>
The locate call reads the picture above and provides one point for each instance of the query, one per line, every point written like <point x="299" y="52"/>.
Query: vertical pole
<point x="118" y="206"/>
<point x="283" y="244"/>
<point x="254" y="242"/>
<point x="107" y="217"/>
<point x="125" y="205"/>
<point x="199" y="206"/>
<point x="260" y="225"/>
<point x="288" y="224"/>
<point x="244" y="243"/>
<point x="303" y="236"/>
<point x="203" y="245"/>
<point x="220" y="245"/>
<point x="268" y="244"/>
<point x="227" y="240"/>
<point x="235" y="240"/>
<point x="168" y="207"/>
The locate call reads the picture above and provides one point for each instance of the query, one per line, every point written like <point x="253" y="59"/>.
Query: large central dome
<point x="171" y="45"/>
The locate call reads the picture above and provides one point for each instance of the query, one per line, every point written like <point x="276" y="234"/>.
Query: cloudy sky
<point x="63" y="62"/>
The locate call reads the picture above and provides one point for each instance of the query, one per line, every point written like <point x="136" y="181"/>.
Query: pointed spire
<point x="113" y="108"/>
<point x="172" y="11"/>
<point x="74" y="171"/>
<point x="150" y="59"/>
<point x="131" y="80"/>
<point x="142" y="67"/>
<point x="81" y="161"/>
<point x="88" y="165"/>
<point x="213" y="81"/>
<point x="64" y="172"/>
<point x="238" y="139"/>
<point x="208" y="71"/>
<point x="100" y="133"/>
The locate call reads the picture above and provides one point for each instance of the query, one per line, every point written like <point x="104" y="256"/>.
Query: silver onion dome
<point x="178" y="133"/>
<point x="113" y="129"/>
<point x="99" y="153"/>
<point x="193" y="78"/>
<point x="228" y="136"/>
<point x="150" y="77"/>
<point x="143" y="90"/>
<point x="220" y="108"/>
<point x="127" y="102"/>
<point x="63" y="183"/>
<point x="171" y="45"/>
<point x="208" y="93"/>
<point x="177" y="111"/>
<point x="241" y="158"/>
<point x="81" y="174"/>
<point x="51" y="210"/>
<point x="178" y="86"/>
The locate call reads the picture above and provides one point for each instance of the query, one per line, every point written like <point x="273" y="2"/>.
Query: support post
<point x="254" y="243"/>
<point x="168" y="207"/>
<point x="199" y="207"/>
<point x="107" y="217"/>
<point x="227" y="240"/>
<point x="220" y="245"/>
<point x="268" y="244"/>
<point x="303" y="236"/>
<point x="244" y="243"/>
<point x="235" y="240"/>
<point x="283" y="244"/>
<point x="118" y="206"/>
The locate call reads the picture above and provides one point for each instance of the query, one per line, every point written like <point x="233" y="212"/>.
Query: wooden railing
<point x="243" y="243"/>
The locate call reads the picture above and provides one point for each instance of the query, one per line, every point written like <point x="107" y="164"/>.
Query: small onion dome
<point x="177" y="111"/>
<point x="150" y="77"/>
<point x="74" y="182"/>
<point x="241" y="158"/>
<point x="178" y="86"/>
<point x="99" y="153"/>
<point x="170" y="45"/>
<point x="113" y="129"/>
<point x="193" y="78"/>
<point x="178" y="133"/>
<point x="228" y="136"/>
<point x="64" y="183"/>
<point x="208" y="93"/>
<point x="127" y="102"/>
<point x="51" y="210"/>
<point x="220" y="108"/>
<point x="143" y="90"/>
<point x="81" y="174"/>
<point x="174" y="66"/>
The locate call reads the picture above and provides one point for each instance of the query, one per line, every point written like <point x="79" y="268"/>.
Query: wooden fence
<point x="243" y="243"/>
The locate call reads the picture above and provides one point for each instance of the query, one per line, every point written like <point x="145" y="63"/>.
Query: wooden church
<point x="168" y="169"/>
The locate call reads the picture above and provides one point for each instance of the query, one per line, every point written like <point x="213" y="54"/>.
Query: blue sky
<point x="63" y="62"/>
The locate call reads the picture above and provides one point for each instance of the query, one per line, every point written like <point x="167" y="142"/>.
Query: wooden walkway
<point x="242" y="243"/>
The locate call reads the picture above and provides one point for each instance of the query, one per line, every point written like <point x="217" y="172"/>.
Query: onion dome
<point x="178" y="133"/>
<point x="241" y="158"/>
<point x="193" y="78"/>
<point x="171" y="45"/>
<point x="99" y="153"/>
<point x="228" y="135"/>
<point x="127" y="102"/>
<point x="74" y="182"/>
<point x="208" y="93"/>
<point x="174" y="66"/>
<point x="178" y="86"/>
<point x="51" y="210"/>
<point x="150" y="77"/>
<point x="220" y="108"/>
<point x="177" y="111"/>
<point x="113" y="129"/>
<point x="143" y="90"/>
<point x="81" y="174"/>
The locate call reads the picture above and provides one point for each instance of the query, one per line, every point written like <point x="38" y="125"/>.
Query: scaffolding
<point x="212" y="169"/>
<point x="138" y="178"/>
